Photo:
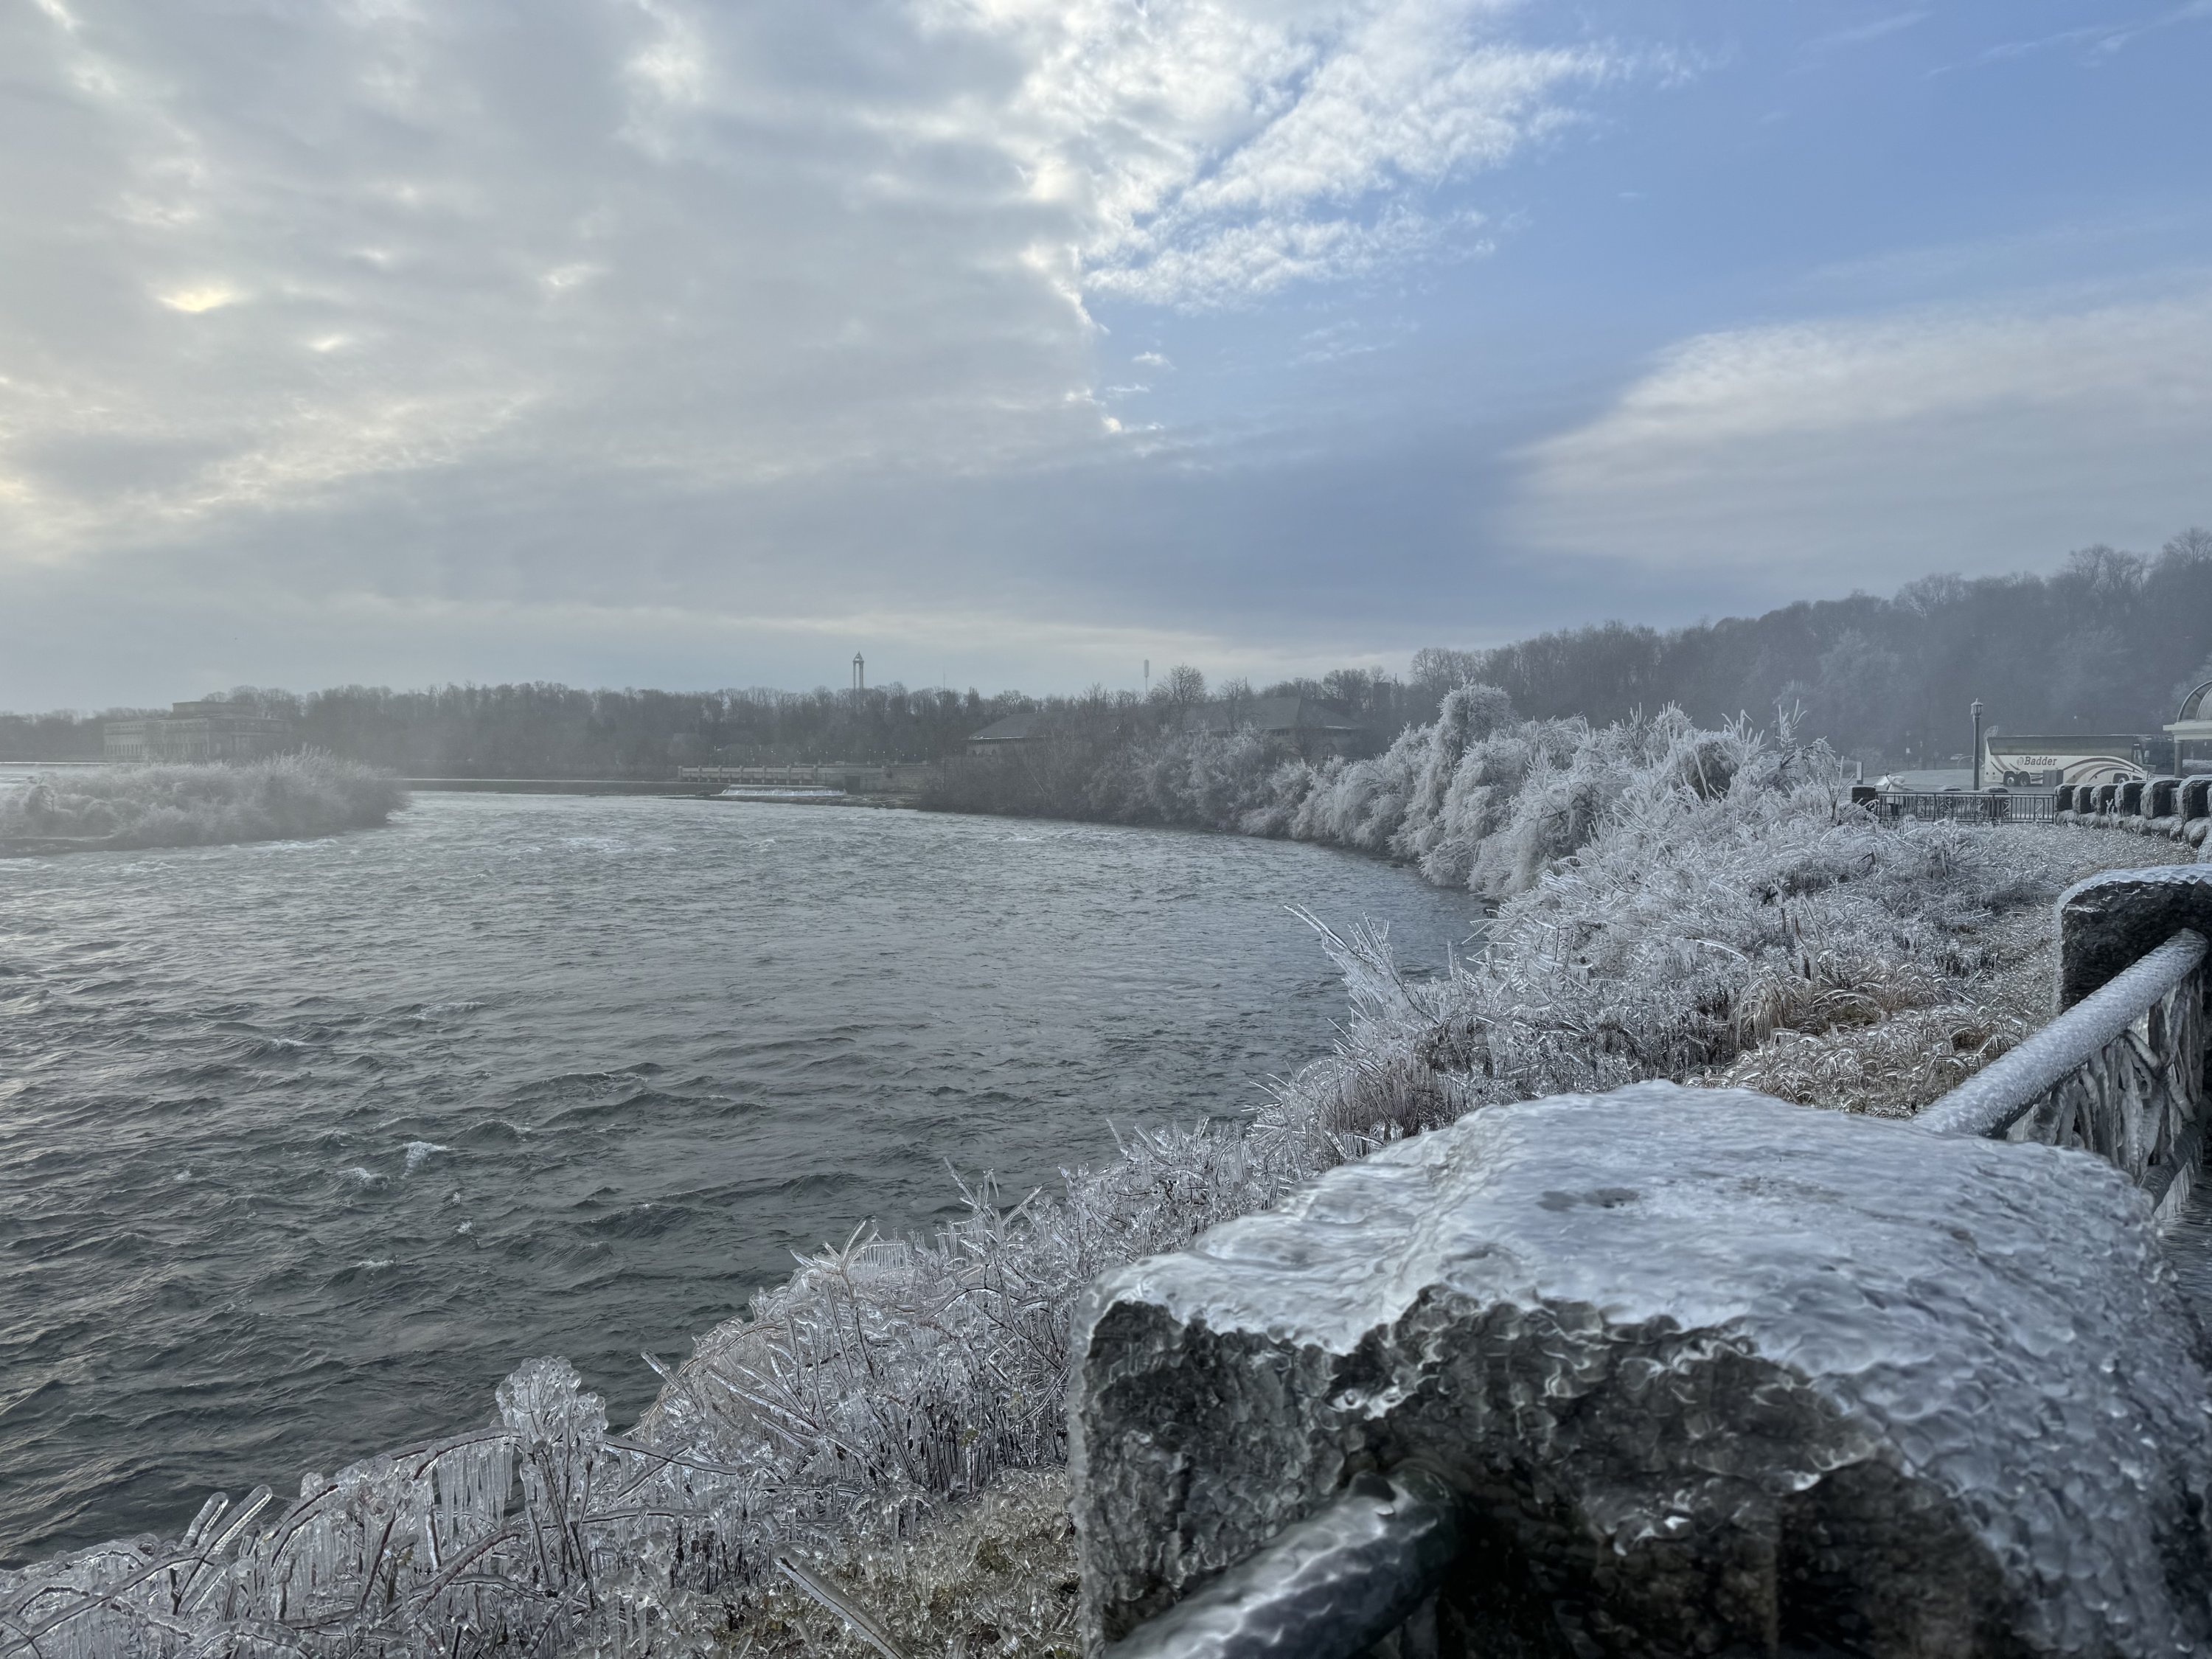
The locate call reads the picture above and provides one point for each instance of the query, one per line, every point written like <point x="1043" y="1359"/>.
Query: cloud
<point x="2101" y="39"/>
<point x="712" y="245"/>
<point x="1879" y="448"/>
<point x="1220" y="151"/>
<point x="193" y="300"/>
<point x="607" y="238"/>
<point x="1864" y="34"/>
<point x="1250" y="259"/>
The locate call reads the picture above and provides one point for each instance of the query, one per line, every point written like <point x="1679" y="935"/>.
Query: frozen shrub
<point x="996" y="1577"/>
<point x="290" y="797"/>
<point x="1889" y="1067"/>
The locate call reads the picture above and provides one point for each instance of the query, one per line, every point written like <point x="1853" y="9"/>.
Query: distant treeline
<point x="558" y="731"/>
<point x="2108" y="643"/>
<point x="542" y="730"/>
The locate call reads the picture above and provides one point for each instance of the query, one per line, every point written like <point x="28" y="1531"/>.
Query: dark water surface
<point x="303" y="1146"/>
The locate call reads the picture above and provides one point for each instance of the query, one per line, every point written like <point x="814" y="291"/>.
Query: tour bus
<point x="2044" y="761"/>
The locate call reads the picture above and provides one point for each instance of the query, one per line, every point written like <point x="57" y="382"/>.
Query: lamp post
<point x="1977" y="743"/>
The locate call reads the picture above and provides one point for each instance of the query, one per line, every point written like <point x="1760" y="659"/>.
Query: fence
<point x="1989" y="806"/>
<point x="2120" y="1072"/>
<point x="2154" y="799"/>
<point x="2178" y="808"/>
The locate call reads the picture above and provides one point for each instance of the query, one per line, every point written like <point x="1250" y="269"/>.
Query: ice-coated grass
<point x="1675" y="902"/>
<point x="289" y="797"/>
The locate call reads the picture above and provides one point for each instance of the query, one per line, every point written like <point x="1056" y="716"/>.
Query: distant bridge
<point x="853" y="777"/>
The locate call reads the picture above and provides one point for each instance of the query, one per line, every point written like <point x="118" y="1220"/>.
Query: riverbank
<point x="994" y="1574"/>
<point x="1726" y="910"/>
<point x="680" y="790"/>
<point x="1713" y="898"/>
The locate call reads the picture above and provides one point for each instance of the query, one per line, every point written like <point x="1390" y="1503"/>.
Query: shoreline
<point x="663" y="789"/>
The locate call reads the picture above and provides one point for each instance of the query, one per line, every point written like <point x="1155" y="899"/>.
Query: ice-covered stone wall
<point x="1714" y="1374"/>
<point x="2178" y="808"/>
<point x="2119" y="916"/>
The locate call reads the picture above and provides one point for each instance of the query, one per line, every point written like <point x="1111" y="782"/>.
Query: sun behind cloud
<point x="206" y="296"/>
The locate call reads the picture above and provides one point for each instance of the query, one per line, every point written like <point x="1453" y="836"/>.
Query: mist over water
<point x="304" y="1145"/>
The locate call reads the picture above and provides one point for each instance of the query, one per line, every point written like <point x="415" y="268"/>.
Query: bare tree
<point x="2192" y="546"/>
<point x="1185" y="686"/>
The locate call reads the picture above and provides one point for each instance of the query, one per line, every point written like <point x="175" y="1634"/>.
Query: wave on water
<point x="419" y="1152"/>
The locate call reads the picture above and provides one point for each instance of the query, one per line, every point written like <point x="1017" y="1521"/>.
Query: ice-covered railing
<point x="2120" y="1072"/>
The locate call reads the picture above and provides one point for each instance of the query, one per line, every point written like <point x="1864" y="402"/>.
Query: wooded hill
<point x="2107" y="643"/>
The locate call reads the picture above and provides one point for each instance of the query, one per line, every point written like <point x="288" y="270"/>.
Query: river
<point x="305" y="1145"/>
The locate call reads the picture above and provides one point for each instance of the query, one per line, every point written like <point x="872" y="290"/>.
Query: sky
<point x="1018" y="343"/>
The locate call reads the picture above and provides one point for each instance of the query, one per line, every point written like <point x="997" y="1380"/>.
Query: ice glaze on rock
<point x="1716" y="1374"/>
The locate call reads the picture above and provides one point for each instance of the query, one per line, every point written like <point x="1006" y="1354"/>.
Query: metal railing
<point x="834" y="774"/>
<point x="807" y="772"/>
<point x="1987" y="806"/>
<point x="2122" y="1071"/>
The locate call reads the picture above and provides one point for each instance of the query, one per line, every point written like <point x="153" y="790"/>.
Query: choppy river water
<point x="304" y="1145"/>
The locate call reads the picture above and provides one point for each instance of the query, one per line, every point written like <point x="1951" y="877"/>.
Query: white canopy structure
<point x="2192" y="732"/>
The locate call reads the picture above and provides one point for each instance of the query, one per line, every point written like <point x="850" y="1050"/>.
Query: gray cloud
<point x="641" y="303"/>
<point x="1883" y="448"/>
<point x="657" y="340"/>
<point x="284" y="248"/>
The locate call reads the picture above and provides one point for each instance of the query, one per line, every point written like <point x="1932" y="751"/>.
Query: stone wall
<point x="2180" y="809"/>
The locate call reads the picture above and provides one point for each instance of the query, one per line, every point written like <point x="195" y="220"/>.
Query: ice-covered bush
<point x="1478" y="798"/>
<point x="283" y="798"/>
<point x="882" y="1379"/>
<point x="1767" y="932"/>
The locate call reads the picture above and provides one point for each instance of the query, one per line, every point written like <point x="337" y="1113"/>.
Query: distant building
<point x="2192" y="731"/>
<point x="195" y="733"/>
<point x="1003" y="737"/>
<point x="1316" y="726"/>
